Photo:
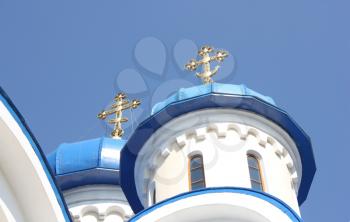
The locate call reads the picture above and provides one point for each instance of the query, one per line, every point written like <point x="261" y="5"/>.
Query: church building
<point x="211" y="152"/>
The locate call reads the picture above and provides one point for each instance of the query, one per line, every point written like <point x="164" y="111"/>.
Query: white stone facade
<point x="223" y="137"/>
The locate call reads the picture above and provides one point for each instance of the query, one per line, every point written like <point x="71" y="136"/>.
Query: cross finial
<point x="117" y="108"/>
<point x="207" y="74"/>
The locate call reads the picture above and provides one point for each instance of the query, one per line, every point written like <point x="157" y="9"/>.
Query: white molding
<point x="97" y="203"/>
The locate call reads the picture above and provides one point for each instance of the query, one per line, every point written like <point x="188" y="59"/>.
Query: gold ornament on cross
<point x="207" y="74"/>
<point x="121" y="104"/>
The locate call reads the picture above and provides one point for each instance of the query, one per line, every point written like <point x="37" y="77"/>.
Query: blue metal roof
<point x="213" y="96"/>
<point x="187" y="93"/>
<point x="94" y="161"/>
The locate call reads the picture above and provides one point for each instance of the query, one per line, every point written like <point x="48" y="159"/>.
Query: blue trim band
<point x="88" y="177"/>
<point x="213" y="100"/>
<point x="264" y="196"/>
<point x="37" y="149"/>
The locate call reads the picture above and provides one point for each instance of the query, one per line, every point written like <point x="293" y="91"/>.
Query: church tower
<point x="212" y="152"/>
<point x="88" y="172"/>
<point x="217" y="152"/>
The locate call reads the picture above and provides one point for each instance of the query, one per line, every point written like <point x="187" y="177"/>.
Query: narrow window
<point x="196" y="174"/>
<point x="255" y="173"/>
<point x="154" y="195"/>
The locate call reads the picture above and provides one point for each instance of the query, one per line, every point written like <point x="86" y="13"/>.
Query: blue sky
<point x="62" y="61"/>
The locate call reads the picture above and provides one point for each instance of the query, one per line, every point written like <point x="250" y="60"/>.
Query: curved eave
<point x="213" y="100"/>
<point x="37" y="149"/>
<point x="88" y="177"/>
<point x="217" y="190"/>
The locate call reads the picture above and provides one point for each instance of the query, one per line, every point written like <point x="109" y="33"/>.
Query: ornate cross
<point x="118" y="107"/>
<point x="207" y="74"/>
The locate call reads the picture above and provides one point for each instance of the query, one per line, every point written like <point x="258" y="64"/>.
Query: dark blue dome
<point x="88" y="162"/>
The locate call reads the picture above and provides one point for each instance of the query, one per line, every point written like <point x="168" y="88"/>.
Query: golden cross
<point x="207" y="74"/>
<point x="118" y="107"/>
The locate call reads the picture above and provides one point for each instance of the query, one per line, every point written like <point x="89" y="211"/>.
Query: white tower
<point x="217" y="152"/>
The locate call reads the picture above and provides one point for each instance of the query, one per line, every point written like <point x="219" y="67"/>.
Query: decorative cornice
<point x="100" y="213"/>
<point x="220" y="131"/>
<point x="99" y="201"/>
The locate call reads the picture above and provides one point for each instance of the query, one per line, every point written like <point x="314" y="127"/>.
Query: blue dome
<point x="212" y="96"/>
<point x="201" y="90"/>
<point x="94" y="161"/>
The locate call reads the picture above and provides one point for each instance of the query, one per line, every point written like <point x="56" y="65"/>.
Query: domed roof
<point x="195" y="91"/>
<point x="213" y="96"/>
<point x="94" y="161"/>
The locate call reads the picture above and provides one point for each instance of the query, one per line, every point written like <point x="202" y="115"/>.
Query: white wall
<point x="9" y="209"/>
<point x="224" y="138"/>
<point x="25" y="190"/>
<point x="98" y="203"/>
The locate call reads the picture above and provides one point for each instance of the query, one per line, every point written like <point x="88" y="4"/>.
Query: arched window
<point x="196" y="174"/>
<point x="255" y="173"/>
